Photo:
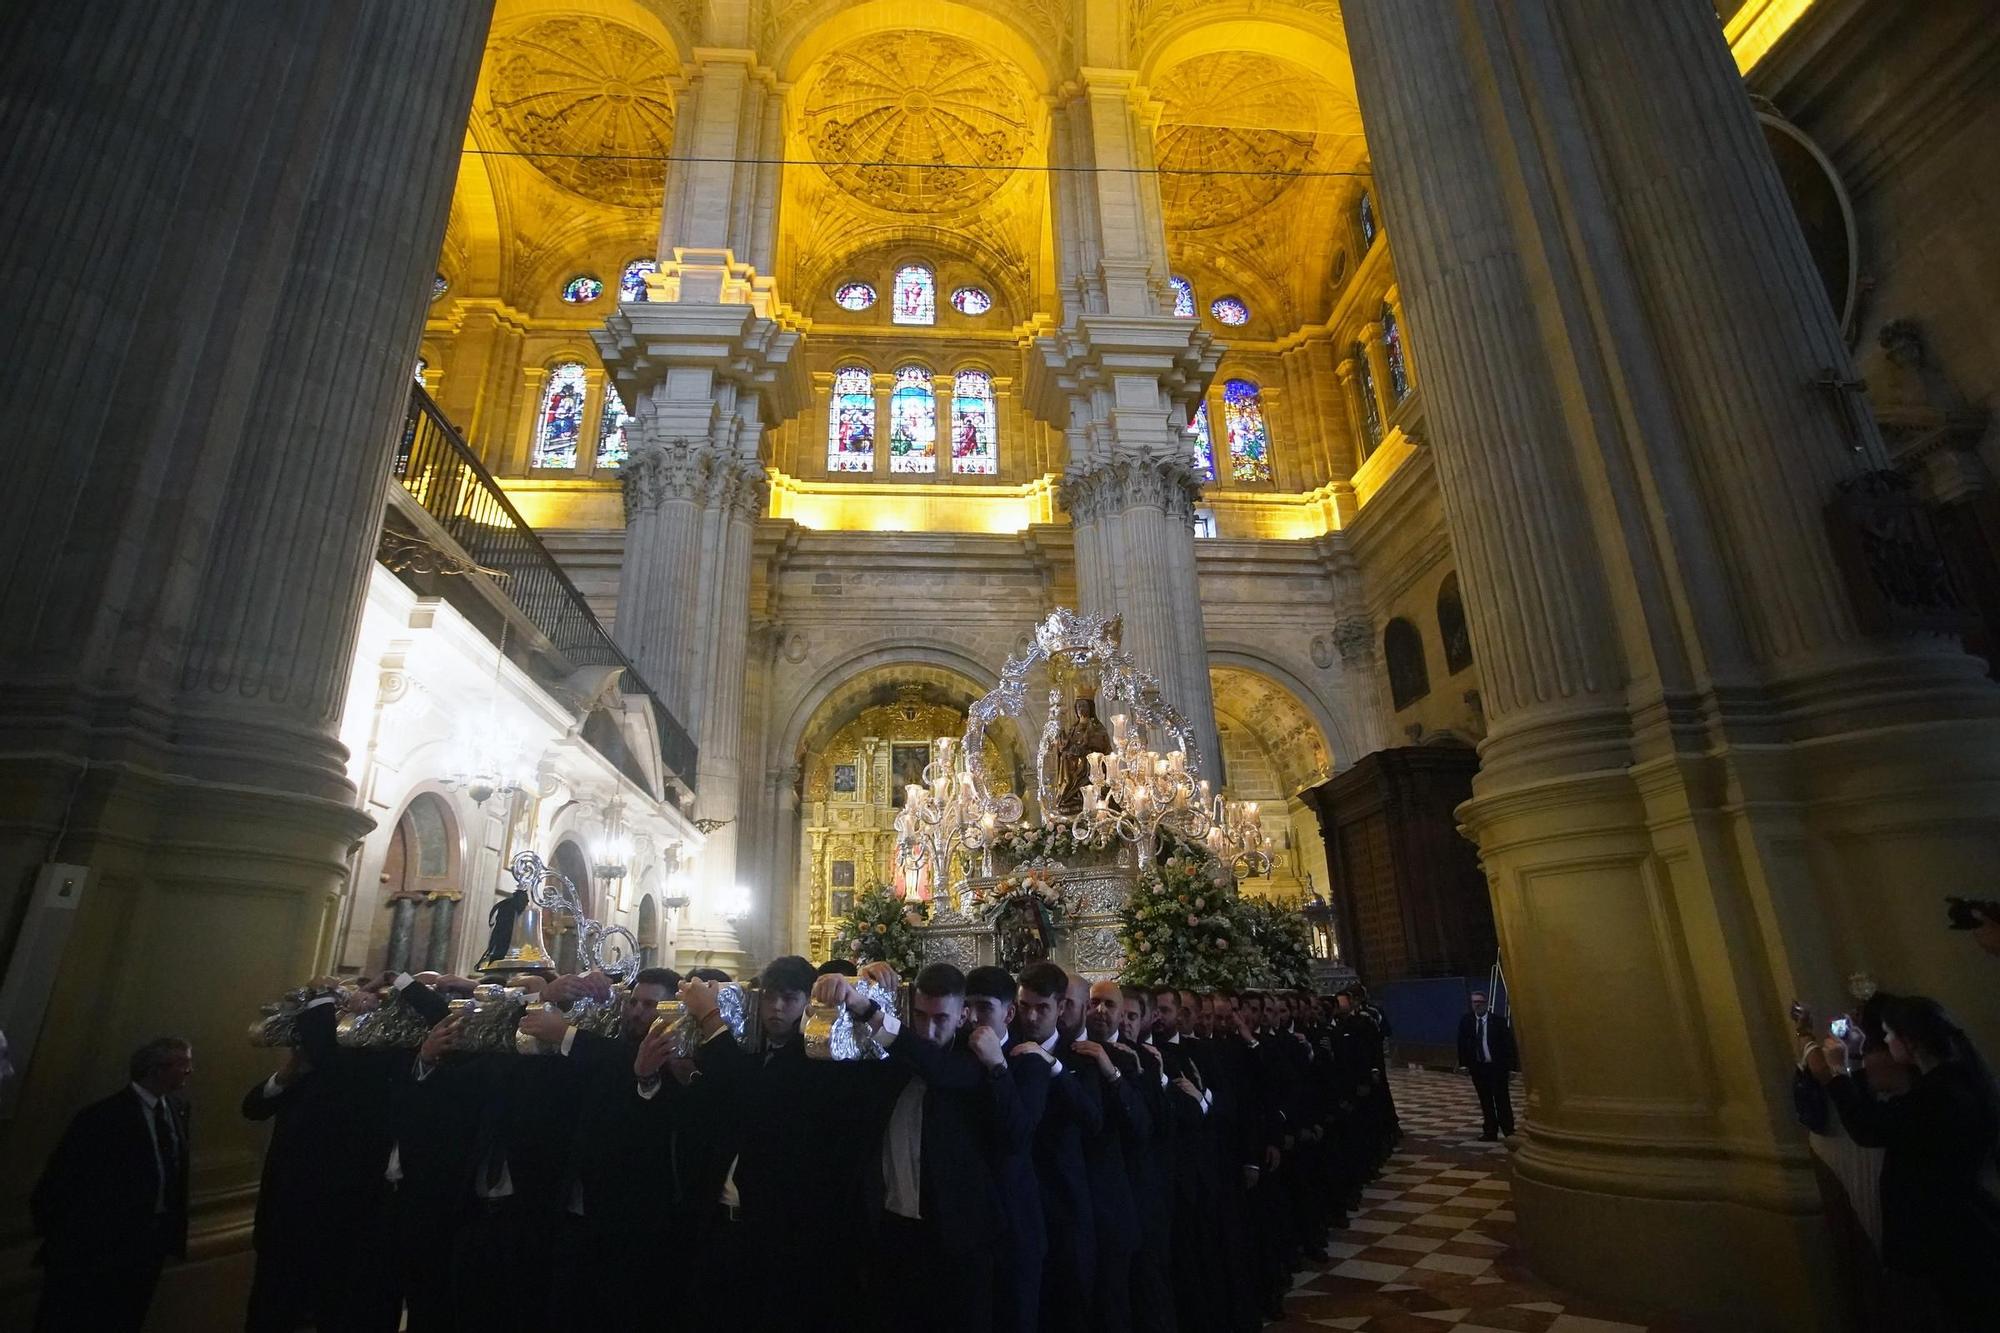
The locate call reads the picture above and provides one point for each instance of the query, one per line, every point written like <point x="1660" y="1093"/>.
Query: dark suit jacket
<point x="94" y="1204"/>
<point x="1499" y="1040"/>
<point x="1075" y="1112"/>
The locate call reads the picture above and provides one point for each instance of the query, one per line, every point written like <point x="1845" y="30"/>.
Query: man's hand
<point x="1027" y="1048"/>
<point x="452" y="982"/>
<point x="442" y="1037"/>
<point x="652" y="1054"/>
<point x="563" y="991"/>
<point x="1272" y="1157"/>
<point x="1243" y="1028"/>
<point x="1828" y="1060"/>
<point x="362" y="1002"/>
<point x="1250" y="1175"/>
<point x="699" y="997"/>
<point x="985" y="1045"/>
<point x="1150" y="1053"/>
<point x="545" y="1025"/>
<point x="1091" y="1050"/>
<point x="682" y="1068"/>
<point x="296" y="1067"/>
<point x="1187" y="1087"/>
<point x="882" y="975"/>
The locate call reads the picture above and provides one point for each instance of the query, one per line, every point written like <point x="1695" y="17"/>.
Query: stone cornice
<point x="760" y="356"/>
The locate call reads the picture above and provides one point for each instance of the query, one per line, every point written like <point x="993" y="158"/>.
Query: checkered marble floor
<point x="1432" y="1245"/>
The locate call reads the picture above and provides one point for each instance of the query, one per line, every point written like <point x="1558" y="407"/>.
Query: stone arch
<point x="425" y="857"/>
<point x="840" y="674"/>
<point x="1274" y="746"/>
<point x="1342" y="746"/>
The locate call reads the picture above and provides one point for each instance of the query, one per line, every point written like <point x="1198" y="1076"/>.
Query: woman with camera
<point x="1939" y="1223"/>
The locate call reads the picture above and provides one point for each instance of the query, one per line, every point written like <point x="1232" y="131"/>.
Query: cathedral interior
<point x="632" y="430"/>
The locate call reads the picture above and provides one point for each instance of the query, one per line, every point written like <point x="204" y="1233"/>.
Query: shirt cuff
<point x="316" y="1003"/>
<point x="423" y="1070"/>
<point x="1207" y="1096"/>
<point x="890" y="1026"/>
<point x="402" y="979"/>
<point x="1163" y="1080"/>
<point x="649" y="1088"/>
<point x="273" y="1088"/>
<point x="569" y="1039"/>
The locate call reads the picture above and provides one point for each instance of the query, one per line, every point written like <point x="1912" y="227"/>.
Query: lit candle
<point x="912" y="793"/>
<point x="1118" y="727"/>
<point x="1177" y="762"/>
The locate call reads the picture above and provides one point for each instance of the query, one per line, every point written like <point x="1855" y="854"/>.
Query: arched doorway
<point x="649" y="922"/>
<point x="559" y="932"/>
<point x="414" y="926"/>
<point x="1272" y="749"/>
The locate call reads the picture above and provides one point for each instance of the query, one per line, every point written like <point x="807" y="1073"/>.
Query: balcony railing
<point x="446" y="480"/>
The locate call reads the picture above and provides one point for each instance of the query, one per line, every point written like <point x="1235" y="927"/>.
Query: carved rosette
<point x="1166" y="484"/>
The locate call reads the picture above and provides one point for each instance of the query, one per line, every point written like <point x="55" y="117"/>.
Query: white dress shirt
<point x="902" y="1154"/>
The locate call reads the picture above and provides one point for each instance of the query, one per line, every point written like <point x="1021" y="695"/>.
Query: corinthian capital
<point x="1167" y="484"/>
<point x="662" y="470"/>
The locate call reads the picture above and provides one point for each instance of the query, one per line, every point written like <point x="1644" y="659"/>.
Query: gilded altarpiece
<point x="853" y="789"/>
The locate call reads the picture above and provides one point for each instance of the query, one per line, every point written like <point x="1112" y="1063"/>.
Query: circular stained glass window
<point x="854" y="296"/>
<point x="971" y="301"/>
<point x="582" y="289"/>
<point x="1228" y="310"/>
<point x="440" y="284"/>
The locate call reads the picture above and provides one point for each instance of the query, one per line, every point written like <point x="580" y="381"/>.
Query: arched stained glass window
<point x="1204" y="443"/>
<point x="975" y="425"/>
<point x="1392" y="342"/>
<point x="1183" y="297"/>
<point x="559" y="428"/>
<point x="912" y="420"/>
<point x="1364" y="217"/>
<point x="850" y="421"/>
<point x="632" y="282"/>
<point x="971" y="300"/>
<point x="1228" y="310"/>
<point x="613" y="447"/>
<point x="854" y="296"/>
<point x="1249" y="437"/>
<point x="440" y="284"/>
<point x="1371" y="414"/>
<point x="582" y="289"/>
<point x="915" y="299"/>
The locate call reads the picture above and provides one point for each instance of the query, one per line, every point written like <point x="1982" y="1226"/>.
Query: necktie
<point x="169" y="1152"/>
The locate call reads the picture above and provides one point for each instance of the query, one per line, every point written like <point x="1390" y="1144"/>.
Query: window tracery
<point x="1364" y="218"/>
<point x="1371" y="412"/>
<point x="632" y="282"/>
<point x="559" y="425"/>
<point x="850" y="426"/>
<point x="971" y="301"/>
<point x="1183" y="297"/>
<point x="975" y="425"/>
<point x="582" y="289"/>
<point x="1204" y="444"/>
<point x="1229" y="310"/>
<point x="854" y="296"/>
<point x="913" y="420"/>
<point x="1392" y="343"/>
<point x="1249" y="436"/>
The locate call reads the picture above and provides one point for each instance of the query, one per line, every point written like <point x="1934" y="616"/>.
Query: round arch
<point x="794" y="56"/>
<point x="1273" y="747"/>
<point x="841" y="673"/>
<point x="1341" y="746"/>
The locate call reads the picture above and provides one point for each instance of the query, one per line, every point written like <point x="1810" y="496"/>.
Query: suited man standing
<point x="1486" y="1051"/>
<point x="111" y="1205"/>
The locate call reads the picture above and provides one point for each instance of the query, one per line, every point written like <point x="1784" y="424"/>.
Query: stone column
<point x="1703" y="790"/>
<point x="444" y="919"/>
<point x="402" y="932"/>
<point x="1122" y="376"/>
<point x="1377" y="353"/>
<point x="223" y="217"/>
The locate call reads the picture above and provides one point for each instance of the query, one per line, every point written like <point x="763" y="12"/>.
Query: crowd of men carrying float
<point x="1040" y="1152"/>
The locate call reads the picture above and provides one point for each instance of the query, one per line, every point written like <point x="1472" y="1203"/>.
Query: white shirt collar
<point x="1050" y="1044"/>
<point x="147" y="1098"/>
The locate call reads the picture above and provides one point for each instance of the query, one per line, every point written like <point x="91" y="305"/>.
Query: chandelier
<point x="948" y="813"/>
<point x="1134" y="793"/>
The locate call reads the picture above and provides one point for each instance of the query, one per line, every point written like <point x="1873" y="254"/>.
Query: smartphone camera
<point x="1839" y="1027"/>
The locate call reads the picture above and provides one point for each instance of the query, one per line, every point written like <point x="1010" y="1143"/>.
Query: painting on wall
<point x="843" y="874"/>
<point x="843" y="903"/>
<point x="845" y="779"/>
<point x="907" y="764"/>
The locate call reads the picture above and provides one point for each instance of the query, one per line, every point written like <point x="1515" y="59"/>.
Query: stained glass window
<point x="422" y="366"/>
<point x="912" y="420"/>
<point x="850" y="421"/>
<point x="971" y="301"/>
<point x="854" y="296"/>
<point x="916" y="296"/>
<point x="440" y="284"/>
<point x="582" y="289"/>
<point x="975" y="426"/>
<point x="1364" y="215"/>
<point x="613" y="447"/>
<point x="1204" y="444"/>
<point x="1228" y="310"/>
<point x="1183" y="297"/>
<point x="632" y="282"/>
<point x="1249" y="437"/>
<point x="1371" y="413"/>
<point x="560" y="426"/>
<point x="1392" y="341"/>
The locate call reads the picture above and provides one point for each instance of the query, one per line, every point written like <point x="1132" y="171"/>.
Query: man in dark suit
<point x="111" y="1205"/>
<point x="1021" y="1243"/>
<point x="1126" y="1120"/>
<point x="1075" y="1112"/>
<point x="1486" y="1051"/>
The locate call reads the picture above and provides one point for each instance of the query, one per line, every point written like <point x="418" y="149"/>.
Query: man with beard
<point x="1074" y="1113"/>
<point x="1021" y="1241"/>
<point x="1147" y="1163"/>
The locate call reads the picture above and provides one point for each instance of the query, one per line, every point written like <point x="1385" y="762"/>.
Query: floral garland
<point x="987" y="901"/>
<point x="1053" y="842"/>
<point x="1184" y="925"/>
<point x="1283" y="943"/>
<point x="882" y="928"/>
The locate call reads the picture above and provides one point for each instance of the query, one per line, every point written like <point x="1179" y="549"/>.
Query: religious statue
<point x="1022" y="932"/>
<point x="1083" y="737"/>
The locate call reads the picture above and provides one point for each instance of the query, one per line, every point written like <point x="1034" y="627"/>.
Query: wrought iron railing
<point x="447" y="481"/>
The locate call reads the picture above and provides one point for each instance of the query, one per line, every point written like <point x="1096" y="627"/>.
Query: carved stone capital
<point x="1166" y="484"/>
<point x="663" y="470"/>
<point x="1354" y="639"/>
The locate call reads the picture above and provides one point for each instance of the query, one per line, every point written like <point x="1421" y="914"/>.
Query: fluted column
<point x="221" y="221"/>
<point x="1377" y="353"/>
<point x="1697" y="767"/>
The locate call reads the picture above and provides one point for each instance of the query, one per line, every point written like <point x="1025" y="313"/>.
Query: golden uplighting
<point x="1756" y="27"/>
<point x="846" y="506"/>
